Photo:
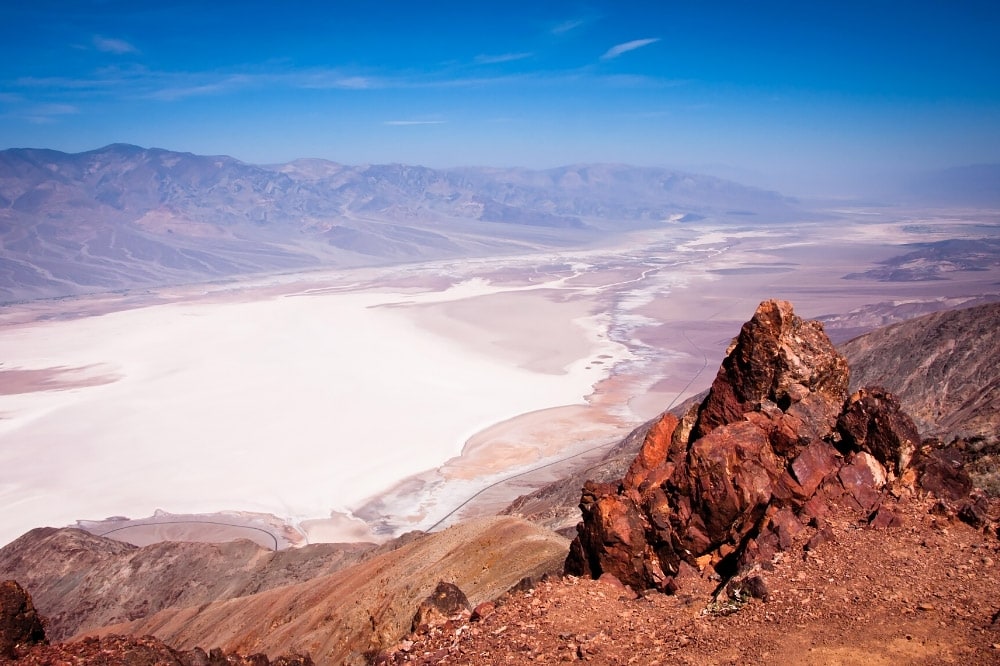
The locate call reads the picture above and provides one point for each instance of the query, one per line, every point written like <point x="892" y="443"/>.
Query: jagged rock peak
<point x="778" y="357"/>
<point x="775" y="442"/>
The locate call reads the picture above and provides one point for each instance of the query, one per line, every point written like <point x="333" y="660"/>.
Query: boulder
<point x="444" y="603"/>
<point x="942" y="473"/>
<point x="863" y="479"/>
<point x="873" y="421"/>
<point x="20" y="624"/>
<point x="816" y="462"/>
<point x="615" y="539"/>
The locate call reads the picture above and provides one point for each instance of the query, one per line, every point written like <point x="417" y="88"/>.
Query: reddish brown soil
<point x="140" y="651"/>
<point x="923" y="593"/>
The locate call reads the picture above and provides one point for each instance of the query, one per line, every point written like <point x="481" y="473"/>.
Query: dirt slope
<point x="337" y="618"/>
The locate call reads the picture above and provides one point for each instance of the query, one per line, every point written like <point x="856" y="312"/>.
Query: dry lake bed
<point x="288" y="406"/>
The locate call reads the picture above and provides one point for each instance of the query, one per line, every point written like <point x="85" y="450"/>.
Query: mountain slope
<point x="338" y="618"/>
<point x="944" y="368"/>
<point x="81" y="582"/>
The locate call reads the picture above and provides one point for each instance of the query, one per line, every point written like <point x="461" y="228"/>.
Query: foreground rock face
<point x="925" y="594"/>
<point x="20" y="625"/>
<point x="774" y="443"/>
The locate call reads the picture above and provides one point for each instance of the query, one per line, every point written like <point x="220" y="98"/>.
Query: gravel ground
<point x="923" y="593"/>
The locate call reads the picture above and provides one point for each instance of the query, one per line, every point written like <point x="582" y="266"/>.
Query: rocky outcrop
<point x="775" y="442"/>
<point x="946" y="373"/>
<point x="777" y="358"/>
<point x="872" y="420"/>
<point x="20" y="625"/>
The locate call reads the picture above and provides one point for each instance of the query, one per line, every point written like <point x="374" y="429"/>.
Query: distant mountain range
<point x="124" y="216"/>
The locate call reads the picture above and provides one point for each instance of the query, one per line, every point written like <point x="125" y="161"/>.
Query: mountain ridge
<point x="123" y="216"/>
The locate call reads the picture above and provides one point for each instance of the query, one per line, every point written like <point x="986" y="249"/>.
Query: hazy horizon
<point x="803" y="99"/>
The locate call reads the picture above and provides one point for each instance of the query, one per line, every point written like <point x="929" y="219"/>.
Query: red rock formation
<point x="776" y="358"/>
<point x="733" y="482"/>
<point x="20" y="625"/>
<point x="873" y="421"/>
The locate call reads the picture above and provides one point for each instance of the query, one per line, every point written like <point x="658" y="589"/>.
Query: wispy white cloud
<point x="56" y="109"/>
<point x="113" y="45"/>
<point x="625" y="47"/>
<point x="324" y="79"/>
<point x="66" y="83"/>
<point x="140" y="82"/>
<point x="640" y="80"/>
<point x="41" y="114"/>
<point x="504" y="57"/>
<point x="404" y="123"/>
<point x="171" y="94"/>
<point x="567" y="26"/>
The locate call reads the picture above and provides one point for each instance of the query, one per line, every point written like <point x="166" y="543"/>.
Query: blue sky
<point x="807" y="97"/>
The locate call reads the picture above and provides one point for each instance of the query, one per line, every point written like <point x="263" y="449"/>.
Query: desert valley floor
<point x="360" y="404"/>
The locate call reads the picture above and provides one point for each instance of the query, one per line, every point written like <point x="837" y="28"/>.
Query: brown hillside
<point x="81" y="582"/>
<point x="944" y="367"/>
<point x="338" y="618"/>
